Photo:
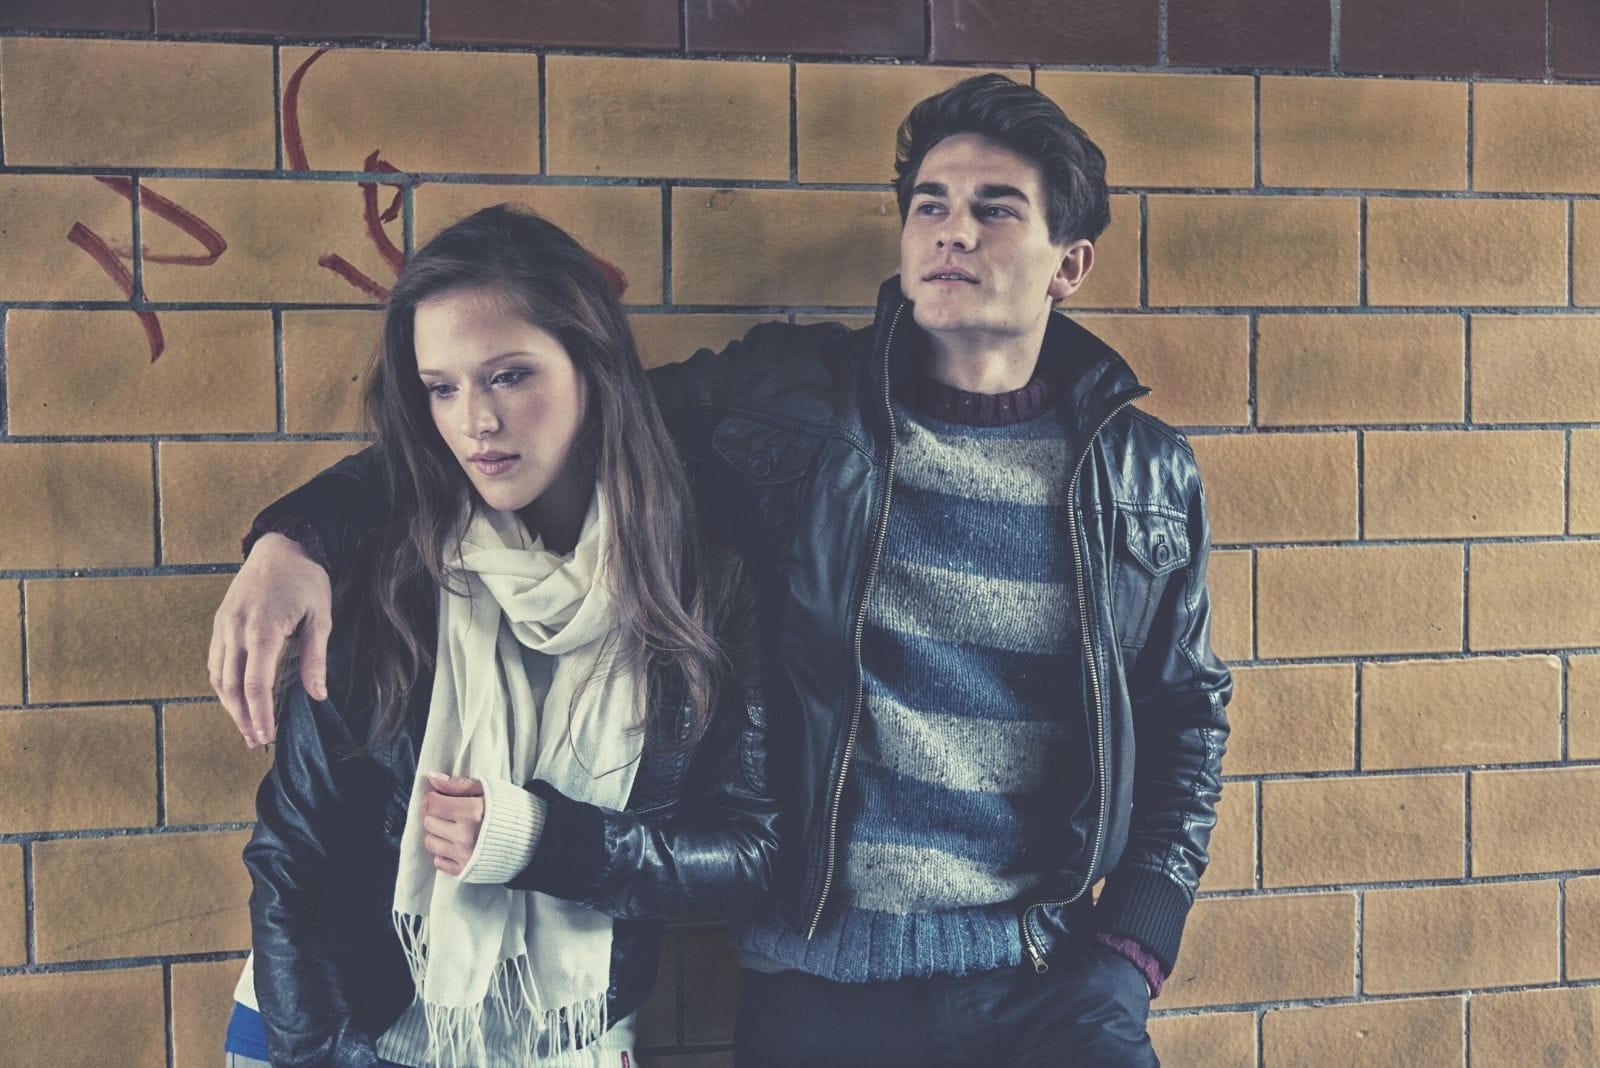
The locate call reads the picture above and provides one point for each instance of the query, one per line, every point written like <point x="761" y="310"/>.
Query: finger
<point x="231" y="691"/>
<point x="455" y="785"/>
<point x="263" y="650"/>
<point x="443" y="847"/>
<point x="449" y="867"/>
<point x="462" y="834"/>
<point x="314" y="655"/>
<point x="455" y="809"/>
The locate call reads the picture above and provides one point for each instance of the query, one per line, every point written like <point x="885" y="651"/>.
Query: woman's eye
<point x="441" y="390"/>
<point x="508" y="378"/>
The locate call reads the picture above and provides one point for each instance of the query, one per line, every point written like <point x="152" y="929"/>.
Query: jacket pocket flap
<point x="1157" y="542"/>
<point x="763" y="453"/>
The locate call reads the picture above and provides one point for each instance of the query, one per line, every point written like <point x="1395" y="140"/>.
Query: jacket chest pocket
<point x="770" y="464"/>
<point x="1149" y="548"/>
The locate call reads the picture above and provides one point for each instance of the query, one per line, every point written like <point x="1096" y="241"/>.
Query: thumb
<point x="314" y="656"/>
<point x="454" y="785"/>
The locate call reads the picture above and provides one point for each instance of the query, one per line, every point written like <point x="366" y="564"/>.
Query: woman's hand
<point x="452" y="819"/>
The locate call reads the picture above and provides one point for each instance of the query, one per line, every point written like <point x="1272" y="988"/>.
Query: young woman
<point x="533" y="744"/>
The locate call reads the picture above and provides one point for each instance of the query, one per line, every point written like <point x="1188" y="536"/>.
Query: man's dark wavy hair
<point x="1030" y="124"/>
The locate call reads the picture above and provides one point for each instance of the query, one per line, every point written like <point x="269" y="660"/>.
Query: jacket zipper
<point x="861" y="621"/>
<point x="1029" y="940"/>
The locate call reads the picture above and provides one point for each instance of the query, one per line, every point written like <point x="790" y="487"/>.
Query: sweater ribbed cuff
<point x="513" y="819"/>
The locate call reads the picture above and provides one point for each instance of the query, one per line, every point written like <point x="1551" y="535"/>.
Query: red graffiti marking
<point x="111" y="257"/>
<point x="292" y="143"/>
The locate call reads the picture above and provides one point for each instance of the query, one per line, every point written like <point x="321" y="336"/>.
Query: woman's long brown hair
<point x="658" y="564"/>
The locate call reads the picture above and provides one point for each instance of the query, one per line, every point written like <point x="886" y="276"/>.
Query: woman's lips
<point x="495" y="464"/>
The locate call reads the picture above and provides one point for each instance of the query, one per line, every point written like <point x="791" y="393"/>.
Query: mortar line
<point x="32" y="927"/>
<point x="794" y="124"/>
<point x="1259" y="790"/>
<point x="1466" y="1030"/>
<point x="166" y="997"/>
<point x="1466" y="837"/>
<point x="1561" y="930"/>
<point x="1572" y="242"/>
<point x="1144" y="251"/>
<point x="1361" y="938"/>
<point x="1361" y="255"/>
<point x="1466" y="368"/>
<point x="1335" y="34"/>
<point x="136" y="298"/>
<point x="544" y="118"/>
<point x="1566" y="684"/>
<point x="1549" y="60"/>
<point x="1466" y="597"/>
<point x="278" y="372"/>
<point x="427" y="23"/>
<point x="5" y="407"/>
<point x="1566" y="482"/>
<point x="22" y="629"/>
<point x="1360" y="669"/>
<point x="1472" y="156"/>
<point x="161" y="763"/>
<point x="1255" y="604"/>
<point x="155" y="500"/>
<point x="666" y="244"/>
<point x="1162" y="59"/>
<point x="277" y="107"/>
<point x="1256" y="133"/>
<point x="683" y="27"/>
<point x="1361" y="485"/>
<point x="1252" y="348"/>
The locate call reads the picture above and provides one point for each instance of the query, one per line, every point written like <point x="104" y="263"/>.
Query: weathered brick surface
<point x="1534" y="820"/>
<point x="1466" y="252"/>
<point x="1583" y="928"/>
<point x="1217" y="967"/>
<point x="10" y="643"/>
<point x="41" y="215"/>
<point x="1345" y="132"/>
<point x="79" y="1018"/>
<point x="671" y="338"/>
<point x="13" y="908"/>
<point x="1255" y="486"/>
<point x="1456" y="937"/>
<point x="1197" y="366"/>
<point x="1586" y="253"/>
<point x="1535" y="368"/>
<point x="1230" y="581"/>
<point x="74" y="505"/>
<point x="1338" y="601"/>
<point x="1218" y="1040"/>
<point x="1320" y="369"/>
<point x="1114" y="280"/>
<point x="326" y="356"/>
<point x="210" y="776"/>
<point x="1233" y="841"/>
<point x="1424" y="1032"/>
<point x="202" y="999"/>
<point x="65" y="769"/>
<point x="1536" y="138"/>
<point x="1445" y="484"/>
<point x="1537" y="595"/>
<point x="1400" y="827"/>
<point x="1510" y="1028"/>
<point x="1487" y="710"/>
<point x="1583" y="707"/>
<point x="1292" y="718"/>
<point x="181" y="893"/>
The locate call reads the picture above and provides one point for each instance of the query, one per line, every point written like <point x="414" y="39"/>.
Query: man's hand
<point x="452" y="817"/>
<point x="278" y="590"/>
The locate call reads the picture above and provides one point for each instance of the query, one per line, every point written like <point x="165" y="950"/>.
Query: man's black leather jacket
<point x="788" y="435"/>
<point x="697" y="838"/>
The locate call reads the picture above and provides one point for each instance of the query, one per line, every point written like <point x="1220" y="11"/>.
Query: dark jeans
<point x="1088" y="1010"/>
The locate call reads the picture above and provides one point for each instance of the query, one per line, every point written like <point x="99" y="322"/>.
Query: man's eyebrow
<point x="932" y="189"/>
<point x="997" y="190"/>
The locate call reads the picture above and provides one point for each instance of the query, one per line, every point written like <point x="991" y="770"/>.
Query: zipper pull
<point x="1040" y="965"/>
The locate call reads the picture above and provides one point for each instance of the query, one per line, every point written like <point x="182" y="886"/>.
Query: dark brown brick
<point x="618" y="24"/>
<point x="1575" y="38"/>
<point x="711" y="969"/>
<point x="75" y="15"/>
<point x="1045" y="31"/>
<point x="820" y="27"/>
<point x="397" y="20"/>
<point x="1503" y="38"/>
<point x="1282" y="33"/>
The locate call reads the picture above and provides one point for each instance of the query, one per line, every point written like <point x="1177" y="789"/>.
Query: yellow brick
<point x="136" y="104"/>
<point x="10" y="643"/>
<point x="89" y="372"/>
<point x="13" y="908"/>
<point x="1443" y="484"/>
<point x="1583" y="708"/>
<point x="326" y="356"/>
<point x="1313" y="369"/>
<point x="424" y="111"/>
<point x="1197" y="365"/>
<point x="1456" y="252"/>
<point x="76" y="768"/>
<point x="176" y="893"/>
<point x="816" y="247"/>
<point x="1218" y="967"/>
<point x="210" y="491"/>
<point x="37" y="213"/>
<point x="1222" y="250"/>
<point x="1335" y="601"/>
<point x="847" y="115"/>
<point x="120" y="638"/>
<point x="1586" y="252"/>
<point x="1163" y="129"/>
<point x="619" y="224"/>
<point x="277" y="233"/>
<point x="1419" y="1033"/>
<point x="1456" y="937"/>
<point x="1114" y="280"/>
<point x="1392" y="827"/>
<point x="202" y="1000"/>
<point x="86" y="1018"/>
<point x="667" y="118"/>
<point x="671" y="338"/>
<point x="75" y="505"/>
<point x="210" y="776"/>
<point x="1256" y="486"/>
<point x="1233" y="841"/>
<point x="1535" y="368"/>
<point x="1534" y="820"/>
<point x="1534" y="596"/>
<point x="1291" y="718"/>
<point x="1363" y="132"/>
<point x="1217" y="1040"/>
<point x="848" y="321"/>
<point x="1230" y="582"/>
<point x="1433" y="713"/>
<point x="1526" y="1027"/>
<point x="1584" y="473"/>
<point x="1536" y="138"/>
<point x="1583" y="928"/>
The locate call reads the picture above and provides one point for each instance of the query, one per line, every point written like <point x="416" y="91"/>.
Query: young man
<point x="984" y="609"/>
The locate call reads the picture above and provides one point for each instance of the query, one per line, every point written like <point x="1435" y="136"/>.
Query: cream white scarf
<point x="524" y="963"/>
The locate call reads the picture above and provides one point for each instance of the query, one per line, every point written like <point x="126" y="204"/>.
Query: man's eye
<point x="929" y="208"/>
<point x="995" y="211"/>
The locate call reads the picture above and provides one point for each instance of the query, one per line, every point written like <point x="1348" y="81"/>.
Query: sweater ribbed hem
<point x="1148" y="907"/>
<point x="512" y="821"/>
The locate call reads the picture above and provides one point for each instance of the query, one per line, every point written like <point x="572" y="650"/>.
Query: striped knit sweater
<point x="955" y="793"/>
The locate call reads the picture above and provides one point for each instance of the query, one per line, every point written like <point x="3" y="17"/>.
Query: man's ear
<point x="1076" y="261"/>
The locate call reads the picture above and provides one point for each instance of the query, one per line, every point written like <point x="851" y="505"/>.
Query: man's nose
<point x="959" y="231"/>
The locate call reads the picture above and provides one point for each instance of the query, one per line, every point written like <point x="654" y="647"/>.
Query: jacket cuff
<point x="1149" y="908"/>
<point x="297" y="529"/>
<point x="1138" y="956"/>
<point x="512" y="821"/>
<point x="571" y="851"/>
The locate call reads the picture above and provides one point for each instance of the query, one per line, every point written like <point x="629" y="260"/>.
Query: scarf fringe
<point x="559" y="1037"/>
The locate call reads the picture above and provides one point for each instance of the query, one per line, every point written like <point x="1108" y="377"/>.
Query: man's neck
<point x="981" y="364"/>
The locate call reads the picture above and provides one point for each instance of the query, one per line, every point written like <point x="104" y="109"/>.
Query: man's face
<point x="975" y="251"/>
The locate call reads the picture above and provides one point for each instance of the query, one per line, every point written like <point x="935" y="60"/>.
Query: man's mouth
<point x="950" y="274"/>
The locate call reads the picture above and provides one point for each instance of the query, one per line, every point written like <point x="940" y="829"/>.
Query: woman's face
<point x="505" y="396"/>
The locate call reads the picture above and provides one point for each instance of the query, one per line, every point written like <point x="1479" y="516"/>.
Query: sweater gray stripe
<point x="878" y="879"/>
<point x="959" y="752"/>
<point x="1021" y="470"/>
<point x="930" y="602"/>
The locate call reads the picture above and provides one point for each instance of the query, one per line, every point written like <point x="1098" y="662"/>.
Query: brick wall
<point x="1371" y="299"/>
